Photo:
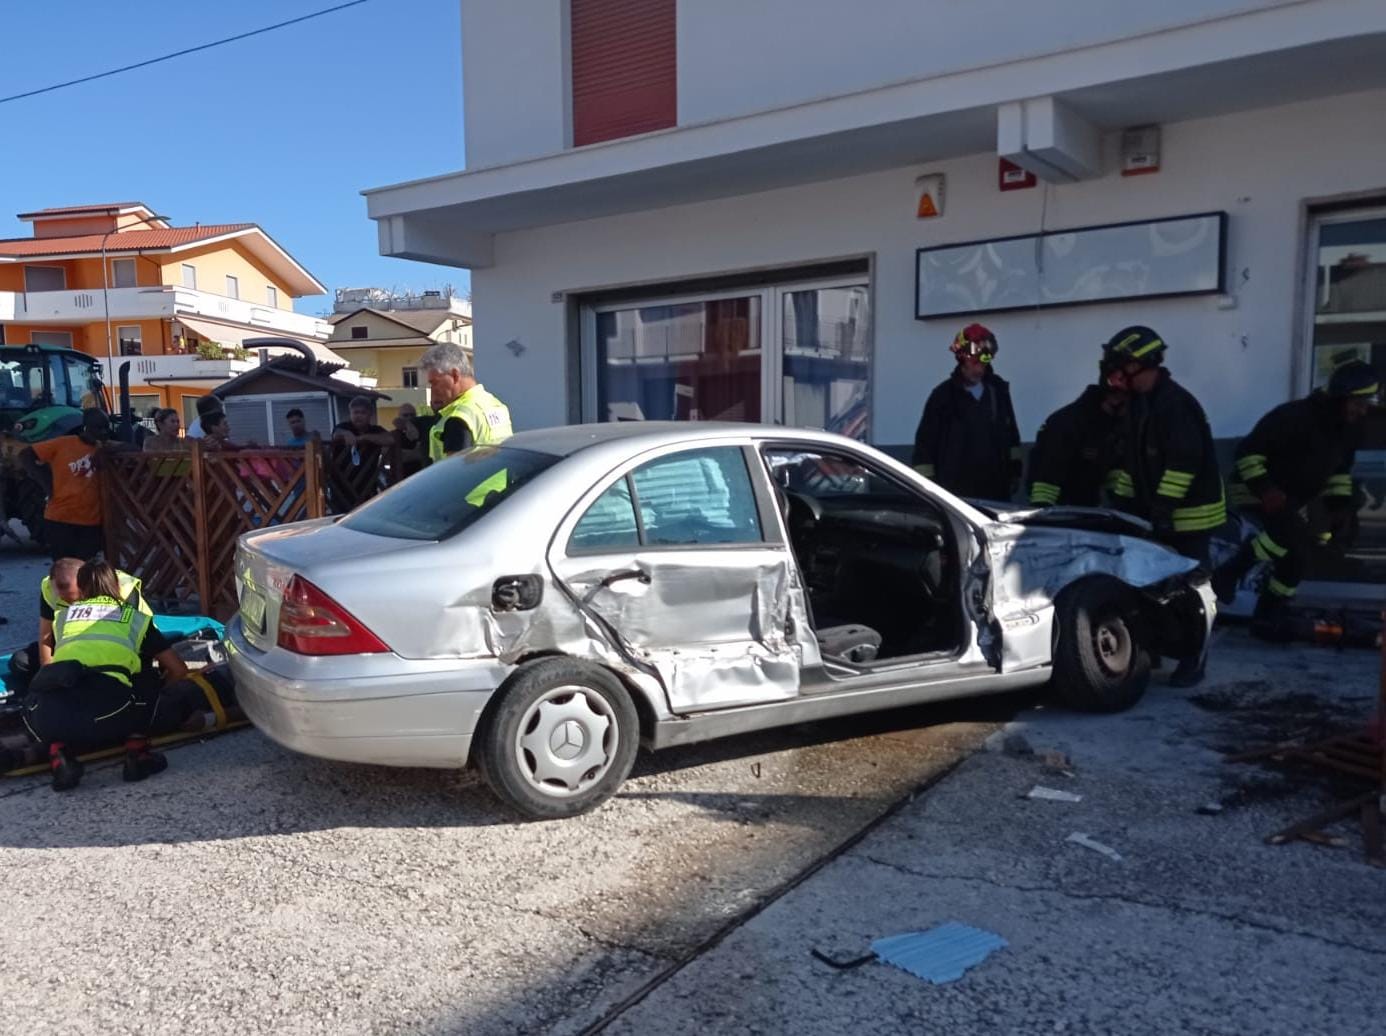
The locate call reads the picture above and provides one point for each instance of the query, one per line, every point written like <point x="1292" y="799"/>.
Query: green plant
<point x="240" y="352"/>
<point x="368" y="372"/>
<point x="210" y="351"/>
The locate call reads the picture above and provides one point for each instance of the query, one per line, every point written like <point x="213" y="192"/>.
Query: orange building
<point x="119" y="282"/>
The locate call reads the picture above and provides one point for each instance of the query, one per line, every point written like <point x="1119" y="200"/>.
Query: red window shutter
<point x="625" y="79"/>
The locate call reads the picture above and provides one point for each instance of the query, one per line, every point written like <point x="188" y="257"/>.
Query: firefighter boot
<point x="67" y="768"/>
<point x="141" y="761"/>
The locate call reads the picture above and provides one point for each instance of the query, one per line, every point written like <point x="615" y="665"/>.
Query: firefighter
<point x="1076" y="448"/>
<point x="968" y="440"/>
<point x="91" y="693"/>
<point x="1294" y="475"/>
<point x="1169" y="471"/>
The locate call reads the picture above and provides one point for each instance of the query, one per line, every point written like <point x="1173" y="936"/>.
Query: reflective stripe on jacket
<point x="1170" y="460"/>
<point x="103" y="634"/>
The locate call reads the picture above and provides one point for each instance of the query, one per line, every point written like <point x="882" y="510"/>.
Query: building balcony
<point x="90" y="305"/>
<point x="176" y="369"/>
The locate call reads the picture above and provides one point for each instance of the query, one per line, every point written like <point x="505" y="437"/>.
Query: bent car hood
<point x="1088" y="519"/>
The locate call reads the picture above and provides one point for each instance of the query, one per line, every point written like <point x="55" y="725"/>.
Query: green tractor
<point x="42" y="392"/>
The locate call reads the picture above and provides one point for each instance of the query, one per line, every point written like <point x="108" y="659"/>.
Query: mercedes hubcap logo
<point x="567" y="740"/>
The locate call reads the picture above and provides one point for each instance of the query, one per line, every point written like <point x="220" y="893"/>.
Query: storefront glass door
<point x="1347" y="278"/>
<point x="795" y="354"/>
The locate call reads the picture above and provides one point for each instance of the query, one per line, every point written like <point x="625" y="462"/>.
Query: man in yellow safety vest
<point x="467" y="415"/>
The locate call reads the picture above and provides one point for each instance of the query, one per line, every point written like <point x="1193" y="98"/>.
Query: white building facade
<point x="757" y="253"/>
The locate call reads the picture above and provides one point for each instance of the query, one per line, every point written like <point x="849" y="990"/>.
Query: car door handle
<point x="624" y="574"/>
<point x="615" y="577"/>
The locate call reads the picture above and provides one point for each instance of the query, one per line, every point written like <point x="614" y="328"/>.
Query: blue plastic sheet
<point x="941" y="954"/>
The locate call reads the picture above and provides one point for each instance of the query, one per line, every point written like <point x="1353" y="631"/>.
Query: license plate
<point x="253" y="610"/>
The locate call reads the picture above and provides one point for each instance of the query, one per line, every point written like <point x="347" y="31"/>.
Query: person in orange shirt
<point x="72" y="519"/>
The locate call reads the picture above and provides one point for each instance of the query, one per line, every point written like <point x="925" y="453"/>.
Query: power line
<point x="181" y="53"/>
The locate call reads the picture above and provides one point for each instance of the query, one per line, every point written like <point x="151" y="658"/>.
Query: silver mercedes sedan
<point x="544" y="607"/>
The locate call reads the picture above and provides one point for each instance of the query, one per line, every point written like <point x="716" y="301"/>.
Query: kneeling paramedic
<point x="1294" y="475"/>
<point x="92" y="694"/>
<point x="57" y="590"/>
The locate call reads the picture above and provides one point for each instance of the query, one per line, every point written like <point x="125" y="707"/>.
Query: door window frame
<point x="1302" y="378"/>
<point x="771" y="297"/>
<point x="767" y="510"/>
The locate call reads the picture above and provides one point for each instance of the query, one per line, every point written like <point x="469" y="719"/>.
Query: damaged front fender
<point x="1031" y="565"/>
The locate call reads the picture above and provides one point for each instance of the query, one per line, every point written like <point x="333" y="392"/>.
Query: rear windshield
<point x="445" y="498"/>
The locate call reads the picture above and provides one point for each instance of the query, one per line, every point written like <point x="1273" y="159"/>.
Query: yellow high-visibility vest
<point x="101" y="633"/>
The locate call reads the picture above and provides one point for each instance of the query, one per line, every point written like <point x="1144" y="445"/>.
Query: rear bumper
<point x="423" y="714"/>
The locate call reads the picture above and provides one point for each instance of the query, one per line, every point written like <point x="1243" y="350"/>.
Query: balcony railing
<point x="86" y="305"/>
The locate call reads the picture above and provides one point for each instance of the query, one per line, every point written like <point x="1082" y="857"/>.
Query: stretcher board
<point x="166" y="741"/>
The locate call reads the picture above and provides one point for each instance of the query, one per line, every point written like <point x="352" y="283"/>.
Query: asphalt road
<point x="247" y="889"/>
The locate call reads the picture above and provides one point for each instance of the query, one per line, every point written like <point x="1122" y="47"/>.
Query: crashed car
<point x="544" y="607"/>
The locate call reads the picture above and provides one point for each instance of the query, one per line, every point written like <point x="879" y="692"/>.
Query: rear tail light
<point x="311" y="623"/>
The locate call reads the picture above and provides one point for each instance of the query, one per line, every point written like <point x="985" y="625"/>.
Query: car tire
<point x="553" y="717"/>
<point x="1101" y="658"/>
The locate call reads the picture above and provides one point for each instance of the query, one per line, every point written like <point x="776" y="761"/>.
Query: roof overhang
<point x="1198" y="71"/>
<point x="254" y="240"/>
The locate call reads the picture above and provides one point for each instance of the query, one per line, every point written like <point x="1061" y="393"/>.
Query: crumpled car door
<point x="671" y="560"/>
<point x="714" y="624"/>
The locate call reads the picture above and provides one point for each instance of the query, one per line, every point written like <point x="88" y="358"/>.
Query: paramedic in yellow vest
<point x="467" y="415"/>
<point x="57" y="590"/>
<point x="89" y="696"/>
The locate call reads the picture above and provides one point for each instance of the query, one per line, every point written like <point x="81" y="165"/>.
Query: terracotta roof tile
<point x="122" y="241"/>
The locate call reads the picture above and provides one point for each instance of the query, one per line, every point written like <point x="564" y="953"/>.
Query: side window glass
<point x="609" y="522"/>
<point x="697" y="497"/>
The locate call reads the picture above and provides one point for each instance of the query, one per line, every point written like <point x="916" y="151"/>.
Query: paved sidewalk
<point x="1199" y="928"/>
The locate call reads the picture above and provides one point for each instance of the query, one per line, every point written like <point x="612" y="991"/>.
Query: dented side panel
<point x="720" y="627"/>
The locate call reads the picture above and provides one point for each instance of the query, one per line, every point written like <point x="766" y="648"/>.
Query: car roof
<point x="565" y="440"/>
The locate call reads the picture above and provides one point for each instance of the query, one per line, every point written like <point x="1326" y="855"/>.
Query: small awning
<point x="230" y="334"/>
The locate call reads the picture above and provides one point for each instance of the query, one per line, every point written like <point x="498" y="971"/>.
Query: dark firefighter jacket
<point x="1303" y="448"/>
<point x="969" y="446"/>
<point x="1075" y="449"/>
<point x="1169" y="473"/>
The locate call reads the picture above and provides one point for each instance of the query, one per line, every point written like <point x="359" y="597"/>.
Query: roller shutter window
<point x="624" y="68"/>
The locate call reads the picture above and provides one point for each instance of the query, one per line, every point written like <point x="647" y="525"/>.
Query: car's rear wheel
<point x="560" y="740"/>
<point x="1101" y="657"/>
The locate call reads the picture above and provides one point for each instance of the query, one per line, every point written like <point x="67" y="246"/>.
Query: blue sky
<point x="283" y="129"/>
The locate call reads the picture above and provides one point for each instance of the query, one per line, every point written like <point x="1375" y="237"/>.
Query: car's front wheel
<point x="1101" y="657"/>
<point x="560" y="740"/>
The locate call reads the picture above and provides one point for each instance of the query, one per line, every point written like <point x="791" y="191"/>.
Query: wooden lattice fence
<point x="173" y="519"/>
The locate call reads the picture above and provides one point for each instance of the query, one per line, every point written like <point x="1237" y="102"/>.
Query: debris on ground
<point x="1039" y="791"/>
<point x="1056" y="761"/>
<point x="1210" y="809"/>
<point x="941" y="954"/>
<point x="1087" y="842"/>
